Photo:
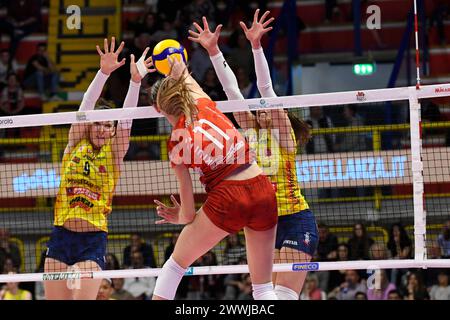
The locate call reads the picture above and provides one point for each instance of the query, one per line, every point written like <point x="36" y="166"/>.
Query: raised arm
<point x="209" y="41"/>
<point x="280" y="119"/>
<point x="108" y="63"/>
<point x="138" y="71"/>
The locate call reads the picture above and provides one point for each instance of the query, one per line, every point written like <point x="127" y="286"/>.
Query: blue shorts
<point x="298" y="231"/>
<point x="71" y="247"/>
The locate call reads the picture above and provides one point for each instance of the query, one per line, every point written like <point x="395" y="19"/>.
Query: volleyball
<point x="164" y="49"/>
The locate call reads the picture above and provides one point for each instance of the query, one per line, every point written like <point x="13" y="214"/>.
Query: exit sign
<point x="363" y="69"/>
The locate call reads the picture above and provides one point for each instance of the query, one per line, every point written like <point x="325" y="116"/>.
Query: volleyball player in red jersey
<point x="239" y="196"/>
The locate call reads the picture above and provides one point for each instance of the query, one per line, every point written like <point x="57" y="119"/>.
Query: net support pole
<point x="417" y="173"/>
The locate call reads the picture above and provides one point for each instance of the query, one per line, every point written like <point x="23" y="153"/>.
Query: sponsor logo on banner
<point x="313" y="266"/>
<point x="5" y="122"/>
<point x="352" y="169"/>
<point x="361" y="96"/>
<point x="264" y="105"/>
<point x="442" y="90"/>
<point x="81" y="116"/>
<point x="189" y="271"/>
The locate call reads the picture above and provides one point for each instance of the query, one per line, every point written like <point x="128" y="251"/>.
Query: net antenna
<point x="416" y="33"/>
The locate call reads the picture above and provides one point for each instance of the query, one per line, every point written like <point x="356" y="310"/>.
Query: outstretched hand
<point x="168" y="214"/>
<point x="108" y="59"/>
<point x="177" y="68"/>
<point x="207" y="39"/>
<point x="258" y="29"/>
<point x="139" y="69"/>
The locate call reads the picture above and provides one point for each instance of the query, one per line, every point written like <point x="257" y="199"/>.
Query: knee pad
<point x="264" y="291"/>
<point x="284" y="293"/>
<point x="169" y="279"/>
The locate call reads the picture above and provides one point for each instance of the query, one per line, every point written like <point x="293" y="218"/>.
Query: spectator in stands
<point x="211" y="85"/>
<point x="169" y="249"/>
<point x="170" y="9"/>
<point x="414" y="289"/>
<point x="336" y="277"/>
<point x="234" y="250"/>
<point x="394" y="295"/>
<point x="244" y="83"/>
<point x="211" y="286"/>
<point x="444" y="241"/>
<point x="399" y="243"/>
<point x="12" y="100"/>
<point x="7" y="66"/>
<point x="196" y="9"/>
<point x="22" y="19"/>
<point x="321" y="143"/>
<point x="119" y="292"/>
<point x="199" y="62"/>
<point x="138" y="244"/>
<point x="441" y="291"/>
<point x="140" y="287"/>
<point x="351" y="141"/>
<point x="9" y="253"/>
<point x="380" y="289"/>
<point x="328" y="244"/>
<point x="41" y="73"/>
<point x="230" y="282"/>
<point x="106" y="290"/>
<point x="149" y="25"/>
<point x="441" y="10"/>
<point x="348" y="289"/>
<point x="241" y="56"/>
<point x="360" y="296"/>
<point x="359" y="243"/>
<point x="311" y="290"/>
<point x="378" y="251"/>
<point x="245" y="288"/>
<point x="167" y="31"/>
<point x="12" y="292"/>
<point x="111" y="262"/>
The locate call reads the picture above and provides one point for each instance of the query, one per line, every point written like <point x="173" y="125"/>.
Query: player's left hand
<point x="168" y="214"/>
<point x="258" y="28"/>
<point x="139" y="69"/>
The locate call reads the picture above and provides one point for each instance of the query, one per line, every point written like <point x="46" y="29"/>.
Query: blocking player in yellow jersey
<point x="91" y="167"/>
<point x="278" y="134"/>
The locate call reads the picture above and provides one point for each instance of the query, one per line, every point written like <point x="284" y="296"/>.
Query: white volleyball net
<point x="375" y="175"/>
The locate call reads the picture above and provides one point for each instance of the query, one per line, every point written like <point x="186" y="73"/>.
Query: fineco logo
<point x="5" y="122"/>
<point x="305" y="266"/>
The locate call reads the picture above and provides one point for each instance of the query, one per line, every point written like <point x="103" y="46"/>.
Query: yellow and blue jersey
<point x="88" y="179"/>
<point x="280" y="166"/>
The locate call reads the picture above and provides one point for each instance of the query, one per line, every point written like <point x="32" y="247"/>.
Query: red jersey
<point x="210" y="145"/>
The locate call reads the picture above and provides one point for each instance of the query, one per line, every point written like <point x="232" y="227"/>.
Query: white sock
<point x="264" y="291"/>
<point x="169" y="279"/>
<point x="284" y="293"/>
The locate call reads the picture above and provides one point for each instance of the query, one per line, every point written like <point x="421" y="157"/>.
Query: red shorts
<point x="232" y="205"/>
